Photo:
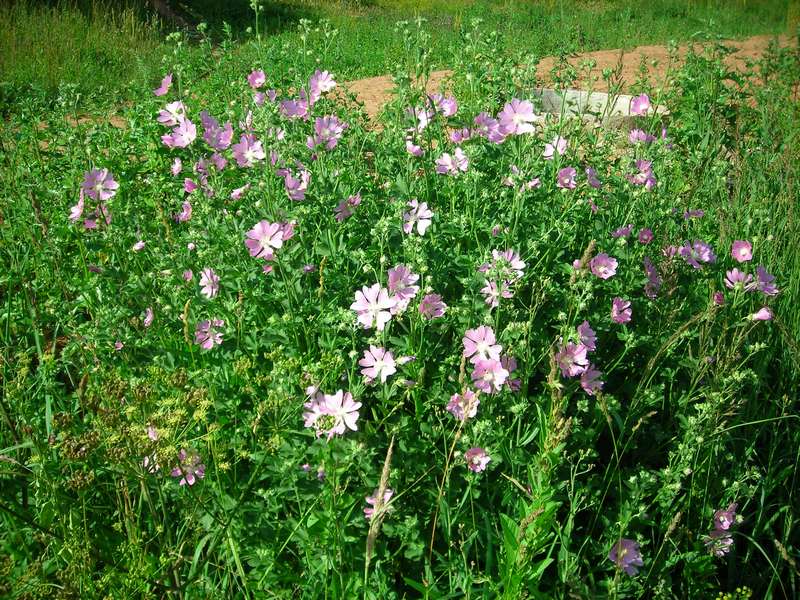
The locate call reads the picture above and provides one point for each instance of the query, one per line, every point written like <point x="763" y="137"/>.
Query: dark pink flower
<point x="645" y="236"/>
<point x="256" y="79"/>
<point x="566" y="178"/>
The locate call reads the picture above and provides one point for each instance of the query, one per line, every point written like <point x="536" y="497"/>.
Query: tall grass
<point x="98" y="46"/>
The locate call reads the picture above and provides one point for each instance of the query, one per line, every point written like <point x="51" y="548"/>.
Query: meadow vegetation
<point x="254" y="346"/>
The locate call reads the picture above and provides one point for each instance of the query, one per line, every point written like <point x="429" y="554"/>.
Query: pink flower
<point x="176" y="168"/>
<point x="256" y="79"/>
<point x="401" y="285"/>
<point x="239" y="192"/>
<point x="626" y="556"/>
<point x="328" y="131"/>
<point x="516" y="117"/>
<point x="506" y="264"/>
<point x="190" y="467"/>
<point x="219" y="137"/>
<point x="187" y="275"/>
<point x="566" y="178"/>
<point x="736" y="278"/>
<point x="166" y="83"/>
<point x="118" y="345"/>
<point x="182" y="135"/>
<point x="489" y="128"/>
<point x="148" y="317"/>
<point x="152" y="433"/>
<point x="493" y="291"/>
<point x="718" y="298"/>
<point x="624" y="231"/>
<point x="332" y="415"/>
<point x="696" y="253"/>
<point x="742" y="251"/>
<point x="419" y="215"/>
<point x="587" y="336"/>
<point x="446" y="107"/>
<point x="209" y="283"/>
<point x="639" y="136"/>
<point x="645" y="236"/>
<point x="640" y="105"/>
<point x="207" y="334"/>
<point x="452" y="165"/>
<point x="764" y="282"/>
<point x="138" y="246"/>
<point x="76" y="211"/>
<point x="572" y="360"/>
<point x="263" y="238"/>
<point x="320" y="83"/>
<point x="345" y="207"/>
<point x="248" y="151"/>
<point x="621" y="310"/>
<point x="189" y="185"/>
<point x="413" y="149"/>
<point x="99" y="185"/>
<point x="603" y="266"/>
<point x="185" y="214"/>
<point x="477" y="459"/>
<point x="592" y="180"/>
<point x="432" y="306"/>
<point x="479" y="344"/>
<point x="465" y="406"/>
<point x="372" y="305"/>
<point x="488" y="375"/>
<point x="590" y="380"/>
<point x="763" y="314"/>
<point x="296" y="186"/>
<point x="377" y="363"/>
<point x="558" y="144"/>
<point x="172" y="114"/>
<point x="371" y="500"/>
<point x="509" y="363"/>
<point x="294" y="109"/>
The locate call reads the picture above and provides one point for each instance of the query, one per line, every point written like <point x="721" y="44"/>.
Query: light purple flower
<point x="587" y="336"/>
<point x="452" y="165"/>
<point x="256" y="79"/>
<point x="509" y="363"/>
<point x="207" y="334"/>
<point x="432" y="306"/>
<point x="185" y="214"/>
<point x="166" y="83"/>
<point x="463" y="406"/>
<point x="413" y="149"/>
<point x="621" y="310"/>
<point x="493" y="291"/>
<point x="645" y="236"/>
<point x="742" y="251"/>
<point x="148" y="317"/>
<point x="591" y="178"/>
<point x="248" y="151"/>
<point x="172" y="114"/>
<point x="653" y="285"/>
<point x="480" y="344"/>
<point x="419" y="215"/>
<point x="763" y="314"/>
<point x="640" y="105"/>
<point x="332" y="414"/>
<point x="488" y="375"/>
<point x="372" y="305"/>
<point x="506" y="264"/>
<point x="138" y="246"/>
<point x="209" y="283"/>
<point x="321" y="82"/>
<point x="371" y="500"/>
<point x="638" y="136"/>
<point x="566" y="178"/>
<point x="736" y="278"/>
<point x="99" y="185"/>
<point x="489" y="128"/>
<point x="263" y="238"/>
<point x="765" y="282"/>
<point x="590" y="380"/>
<point x="516" y="117"/>
<point x="295" y="109"/>
<point x="76" y="211"/>
<point x="377" y="363"/>
<point x="603" y="266"/>
<point x="645" y="175"/>
<point x="187" y="275"/>
<point x="446" y="107"/>
<point x="558" y="145"/>
<point x="723" y="519"/>
<point x="176" y="168"/>
<point x="296" y="186"/>
<point x="328" y="131"/>
<point x="571" y="359"/>
<point x="477" y="459"/>
<point x="345" y="208"/>
<point x="624" y="231"/>
<point x="239" y="192"/>
<point x="696" y="253"/>
<point x="626" y="556"/>
<point x="219" y="137"/>
<point x="401" y="285"/>
<point x="190" y="467"/>
<point x="460" y="135"/>
<point x="183" y="134"/>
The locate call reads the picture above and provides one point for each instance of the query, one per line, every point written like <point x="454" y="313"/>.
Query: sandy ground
<point x="374" y="92"/>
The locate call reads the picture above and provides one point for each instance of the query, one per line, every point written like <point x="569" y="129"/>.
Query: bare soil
<point x="374" y="92"/>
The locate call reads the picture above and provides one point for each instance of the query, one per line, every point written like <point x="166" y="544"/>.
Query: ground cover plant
<point x="255" y="346"/>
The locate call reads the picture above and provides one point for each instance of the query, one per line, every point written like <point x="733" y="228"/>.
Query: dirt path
<point x="374" y="92"/>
